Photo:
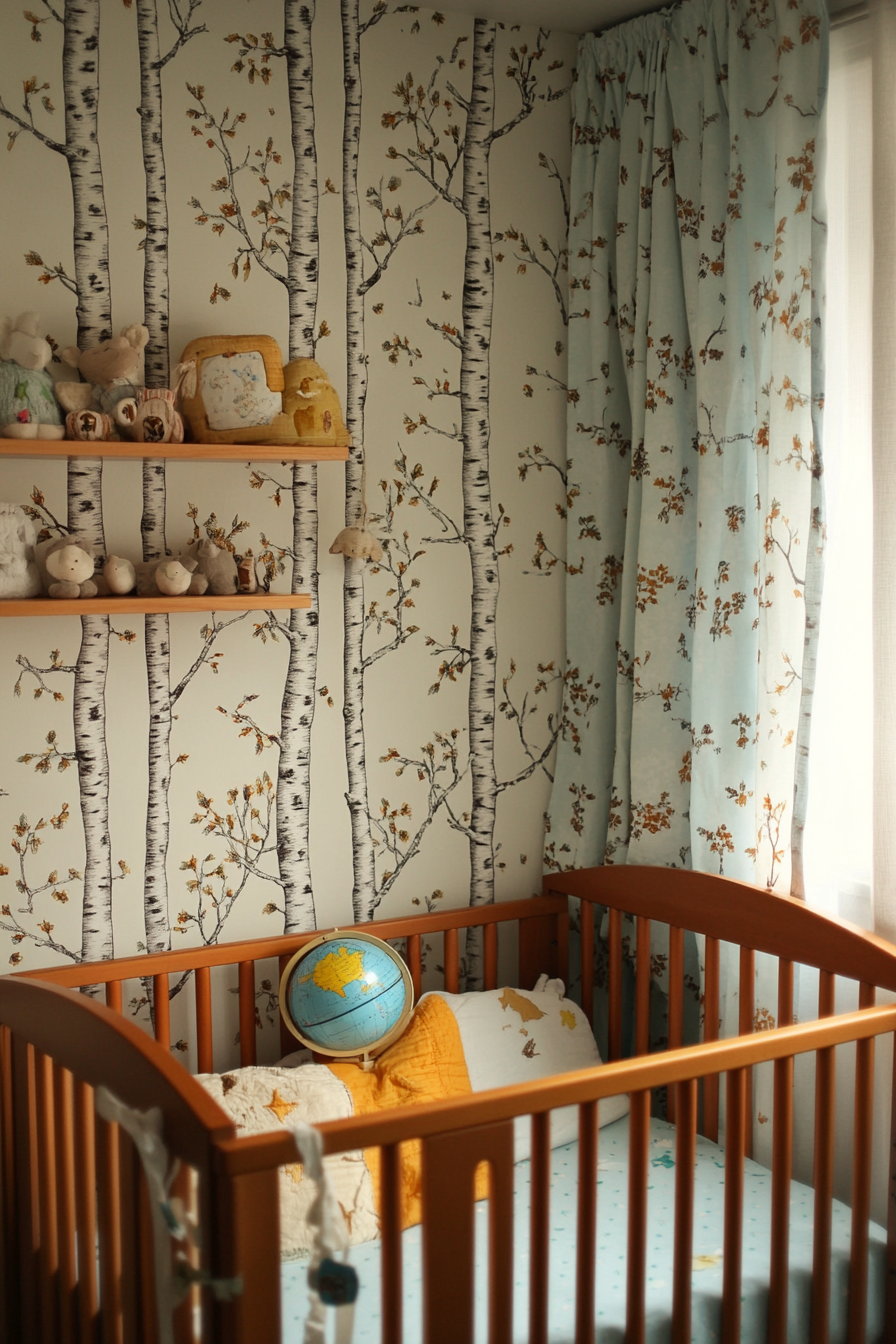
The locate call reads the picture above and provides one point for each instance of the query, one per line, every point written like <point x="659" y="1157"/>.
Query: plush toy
<point x="218" y="566"/>
<point x="173" y="576"/>
<point x="111" y="372"/>
<point x="28" y="406"/>
<point x="19" y="575"/>
<point x="119" y="575"/>
<point x="247" y="580"/>
<point x="90" y="426"/>
<point x="358" y="544"/>
<point x="155" y="418"/>
<point x="66" y="566"/>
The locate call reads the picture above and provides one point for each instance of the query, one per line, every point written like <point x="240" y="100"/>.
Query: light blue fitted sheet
<point x="611" y="1257"/>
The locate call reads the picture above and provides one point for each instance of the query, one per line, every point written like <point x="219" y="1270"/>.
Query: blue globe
<point x="346" y="994"/>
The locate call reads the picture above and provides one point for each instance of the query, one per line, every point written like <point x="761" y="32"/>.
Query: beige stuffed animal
<point x="28" y="407"/>
<point x="112" y="375"/>
<point x="173" y="576"/>
<point x="217" y="564"/>
<point x="66" y="567"/>
<point x="119" y="575"/>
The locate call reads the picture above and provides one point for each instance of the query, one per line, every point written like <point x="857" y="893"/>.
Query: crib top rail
<point x="82" y="1036"/>
<point x="735" y="912"/>
<point x="532" y="911"/>
<point x="241" y="1156"/>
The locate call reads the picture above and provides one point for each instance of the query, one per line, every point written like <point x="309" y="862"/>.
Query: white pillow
<point x="259" y="1099"/>
<point x="521" y="1035"/>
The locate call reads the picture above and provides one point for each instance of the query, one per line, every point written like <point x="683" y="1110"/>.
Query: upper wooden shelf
<point x="148" y="606"/>
<point x="175" y="452"/>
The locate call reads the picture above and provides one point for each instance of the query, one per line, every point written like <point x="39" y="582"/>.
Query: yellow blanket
<point x="426" y="1063"/>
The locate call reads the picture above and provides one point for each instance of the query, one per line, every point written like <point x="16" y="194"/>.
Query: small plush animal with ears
<point x="28" y="406"/>
<point x="112" y="373"/>
<point x="66" y="567"/>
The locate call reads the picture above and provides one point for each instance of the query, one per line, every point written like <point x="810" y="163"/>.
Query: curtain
<point x="883" y="63"/>
<point x="695" y="519"/>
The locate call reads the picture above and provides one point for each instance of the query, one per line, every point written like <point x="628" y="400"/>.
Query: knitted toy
<point x="173" y="576"/>
<point x="90" y="426"/>
<point x="28" y="407"/>
<point x="218" y="566"/>
<point x="19" y="575"/>
<point x="155" y="419"/>
<point x="66" y="566"/>
<point x="111" y="372"/>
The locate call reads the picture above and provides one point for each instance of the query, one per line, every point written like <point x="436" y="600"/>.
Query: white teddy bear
<point x="19" y="575"/>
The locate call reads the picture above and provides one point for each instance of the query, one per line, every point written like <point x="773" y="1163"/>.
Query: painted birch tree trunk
<point x="152" y="524"/>
<point x="80" y="75"/>
<point x="479" y="527"/>
<point x="297" y="707"/>
<point x="85" y="515"/>
<point x="363" y="866"/>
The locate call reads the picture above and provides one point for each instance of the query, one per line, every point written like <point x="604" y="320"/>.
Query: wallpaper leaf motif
<point x="202" y="744"/>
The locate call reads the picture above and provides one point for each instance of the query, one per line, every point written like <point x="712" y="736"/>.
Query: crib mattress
<point x="611" y="1257"/>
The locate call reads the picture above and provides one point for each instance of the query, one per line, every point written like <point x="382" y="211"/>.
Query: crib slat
<point x="642" y="988"/>
<point x="735" y="1124"/>
<point x="539" y="1227"/>
<point x="685" y="1159"/>
<point x="48" y="1261"/>
<point x="64" y="1093"/>
<point x="113" y="995"/>
<point x="161" y="1008"/>
<point x="204" y="1038"/>
<point x="85" y="1212"/>
<point x="130" y="1239"/>
<point x="711" y="1033"/>
<point x="146" y="1268"/>
<point x="27" y="1190"/>
<point x="586" y="1224"/>
<point x="449" y="1166"/>
<point x="676" y="1004"/>
<point x="614" y="1031"/>
<point x="636" y="1276"/>
<point x="390" y="1231"/>
<point x="247" y="1013"/>
<point x="586" y="934"/>
<point x="746" y="998"/>
<point x="415" y="963"/>
<point x="8" y="1248"/>
<point x="823" y="1169"/>
<point x="861" y="1179"/>
<point x="490" y="954"/>
<point x="109" y="1226"/>
<point x="452" y="962"/>
<point x="782" y="1162"/>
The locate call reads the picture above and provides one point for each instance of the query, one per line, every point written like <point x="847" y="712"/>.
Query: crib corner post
<point x="890" y="1297"/>
<point x="244" y="1219"/>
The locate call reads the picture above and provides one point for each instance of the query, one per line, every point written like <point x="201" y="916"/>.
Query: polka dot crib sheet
<point x="611" y="1254"/>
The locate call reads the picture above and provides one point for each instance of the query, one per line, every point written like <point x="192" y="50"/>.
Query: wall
<point x="177" y="838"/>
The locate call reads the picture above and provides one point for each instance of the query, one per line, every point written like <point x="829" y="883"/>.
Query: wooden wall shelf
<point x="173" y="452"/>
<point x="148" y="606"/>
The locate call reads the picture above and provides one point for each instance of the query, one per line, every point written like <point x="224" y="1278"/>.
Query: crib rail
<point x="459" y="1133"/>
<point x="543" y="924"/>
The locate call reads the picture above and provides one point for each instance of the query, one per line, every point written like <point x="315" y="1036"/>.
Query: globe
<point x="346" y="995"/>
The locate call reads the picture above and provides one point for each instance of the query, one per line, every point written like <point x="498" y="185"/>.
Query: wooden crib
<point x="77" y="1263"/>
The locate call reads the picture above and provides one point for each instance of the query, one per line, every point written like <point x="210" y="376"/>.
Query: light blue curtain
<point x="695" y="525"/>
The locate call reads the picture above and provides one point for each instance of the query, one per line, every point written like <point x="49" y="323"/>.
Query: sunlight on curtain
<point x="838" y="845"/>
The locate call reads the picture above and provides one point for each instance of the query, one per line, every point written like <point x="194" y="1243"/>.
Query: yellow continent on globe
<point x="336" y="970"/>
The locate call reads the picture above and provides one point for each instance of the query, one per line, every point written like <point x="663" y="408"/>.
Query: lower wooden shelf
<point x="148" y="606"/>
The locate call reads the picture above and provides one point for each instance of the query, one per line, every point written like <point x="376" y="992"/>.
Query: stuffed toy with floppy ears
<point x="112" y="376"/>
<point x="66" y="566"/>
<point x="28" y="406"/>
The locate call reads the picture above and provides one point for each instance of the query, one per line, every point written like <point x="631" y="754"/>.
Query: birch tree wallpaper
<point x="382" y="187"/>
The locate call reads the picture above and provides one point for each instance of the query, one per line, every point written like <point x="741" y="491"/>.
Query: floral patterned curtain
<point x="694" y="476"/>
